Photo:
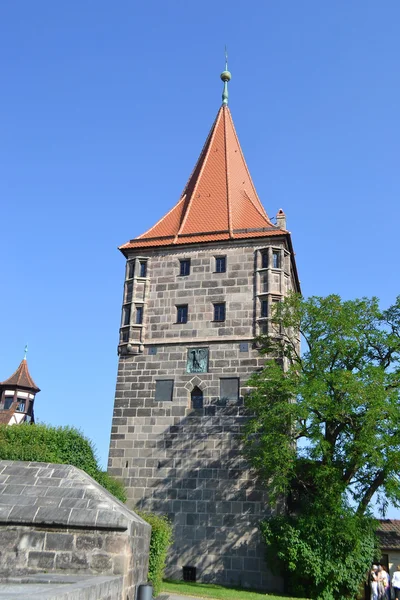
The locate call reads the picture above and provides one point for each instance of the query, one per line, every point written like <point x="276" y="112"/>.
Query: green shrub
<point x="161" y="539"/>
<point x="62" y="445"/>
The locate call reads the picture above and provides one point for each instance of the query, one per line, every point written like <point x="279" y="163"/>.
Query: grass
<point x="216" y="592"/>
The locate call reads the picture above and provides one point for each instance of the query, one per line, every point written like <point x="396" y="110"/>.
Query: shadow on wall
<point x="193" y="471"/>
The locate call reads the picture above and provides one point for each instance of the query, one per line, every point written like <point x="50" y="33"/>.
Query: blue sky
<point x="104" y="109"/>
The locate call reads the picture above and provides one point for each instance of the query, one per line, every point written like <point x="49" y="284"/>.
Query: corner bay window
<point x="229" y="388"/>
<point x="126" y="315"/>
<point x="142" y="269"/>
<point x="139" y="315"/>
<point x="182" y="313"/>
<point x="164" y="390"/>
<point x="219" y="311"/>
<point x="264" y="308"/>
<point x="220" y="264"/>
<point x="185" y="267"/>
<point x="131" y="269"/>
<point x="264" y="260"/>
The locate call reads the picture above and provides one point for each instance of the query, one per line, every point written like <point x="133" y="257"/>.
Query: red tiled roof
<point x="219" y="201"/>
<point x="21" y="378"/>
<point x="389" y="534"/>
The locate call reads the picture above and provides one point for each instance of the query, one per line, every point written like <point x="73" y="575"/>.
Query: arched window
<point x="196" y="398"/>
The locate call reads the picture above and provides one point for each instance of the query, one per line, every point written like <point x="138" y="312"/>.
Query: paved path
<point x="166" y="596"/>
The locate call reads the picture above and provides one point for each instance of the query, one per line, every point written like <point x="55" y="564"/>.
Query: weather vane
<point x="25" y="351"/>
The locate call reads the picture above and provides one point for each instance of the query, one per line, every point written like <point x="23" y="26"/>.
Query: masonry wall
<point x="174" y="458"/>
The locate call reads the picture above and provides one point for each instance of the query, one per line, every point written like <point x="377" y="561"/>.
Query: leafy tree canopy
<point x="328" y="425"/>
<point x="325" y="437"/>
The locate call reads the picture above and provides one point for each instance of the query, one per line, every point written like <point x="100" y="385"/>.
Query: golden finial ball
<point x="226" y="76"/>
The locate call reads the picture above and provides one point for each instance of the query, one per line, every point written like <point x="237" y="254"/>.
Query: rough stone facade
<point x="57" y="519"/>
<point x="182" y="458"/>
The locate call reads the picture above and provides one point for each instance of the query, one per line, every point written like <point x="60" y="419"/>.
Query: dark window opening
<point x="276" y="263"/>
<point x="185" y="267"/>
<point x="143" y="269"/>
<point x="196" y="398"/>
<point x="8" y="401"/>
<point x="182" y="313"/>
<point x="264" y="282"/>
<point x="189" y="573"/>
<point x="125" y="336"/>
<point x="264" y="308"/>
<point x="229" y="388"/>
<point x="139" y="315"/>
<point x="126" y="316"/>
<point x="128" y="292"/>
<point x="220" y="264"/>
<point x="264" y="260"/>
<point x="131" y="269"/>
<point x="264" y="328"/>
<point x="164" y="390"/>
<point x="219" y="311"/>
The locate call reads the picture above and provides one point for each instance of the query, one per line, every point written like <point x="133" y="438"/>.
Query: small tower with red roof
<point x="17" y="396"/>
<point x="198" y="290"/>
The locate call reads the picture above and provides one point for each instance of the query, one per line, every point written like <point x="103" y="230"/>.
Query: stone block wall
<point x="187" y="462"/>
<point x="57" y="519"/>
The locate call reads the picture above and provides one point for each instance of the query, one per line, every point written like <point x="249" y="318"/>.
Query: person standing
<point x="373" y="579"/>
<point x="396" y="583"/>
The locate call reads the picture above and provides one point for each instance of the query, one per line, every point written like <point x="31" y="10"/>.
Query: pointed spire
<point x="21" y="378"/>
<point x="225" y="76"/>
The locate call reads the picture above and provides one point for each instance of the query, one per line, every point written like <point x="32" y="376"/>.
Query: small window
<point x="182" y="313"/>
<point x="185" y="267"/>
<point x="264" y="260"/>
<point x="229" y="388"/>
<point x="131" y="269"/>
<point x="264" y="328"/>
<point x="196" y="398"/>
<point x="143" y="269"/>
<point x="126" y="319"/>
<point x="220" y="264"/>
<point x="264" y="308"/>
<point x="8" y="401"/>
<point x="276" y="263"/>
<point x="139" y="315"/>
<point x="264" y="282"/>
<point x="219" y="311"/>
<point x="128" y="291"/>
<point x="125" y="336"/>
<point x="164" y="390"/>
<point x="20" y="406"/>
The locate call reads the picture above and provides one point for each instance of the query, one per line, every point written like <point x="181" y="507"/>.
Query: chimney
<point x="281" y="219"/>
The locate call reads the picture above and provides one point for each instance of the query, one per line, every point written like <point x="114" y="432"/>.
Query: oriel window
<point x="219" y="311"/>
<point x="276" y="263"/>
<point x="264" y="260"/>
<point x="126" y="318"/>
<point x="182" y="313"/>
<point x="264" y="308"/>
<point x="143" y="268"/>
<point x="139" y="315"/>
<point x="185" y="267"/>
<point x="131" y="269"/>
<point x="128" y="291"/>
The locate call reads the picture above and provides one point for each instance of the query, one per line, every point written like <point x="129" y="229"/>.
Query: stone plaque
<point x="197" y="360"/>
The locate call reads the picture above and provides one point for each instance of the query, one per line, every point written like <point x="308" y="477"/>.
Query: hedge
<point x="62" y="445"/>
<point x="161" y="539"/>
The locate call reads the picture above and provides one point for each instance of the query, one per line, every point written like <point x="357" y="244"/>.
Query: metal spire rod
<point x="225" y="76"/>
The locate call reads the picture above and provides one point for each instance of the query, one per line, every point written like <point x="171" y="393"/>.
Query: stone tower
<point x="17" y="396"/>
<point x="198" y="288"/>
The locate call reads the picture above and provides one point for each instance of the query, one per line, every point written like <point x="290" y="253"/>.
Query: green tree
<point x="325" y="431"/>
